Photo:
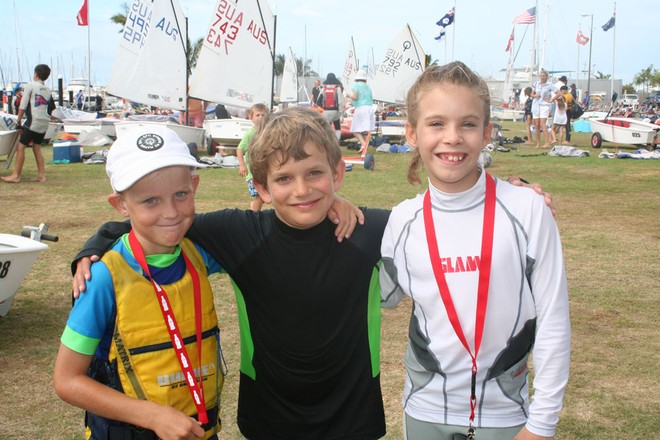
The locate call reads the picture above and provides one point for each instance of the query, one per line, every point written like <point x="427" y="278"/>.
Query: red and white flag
<point x="82" y="15"/>
<point x="581" y="38"/>
<point x="508" y="45"/>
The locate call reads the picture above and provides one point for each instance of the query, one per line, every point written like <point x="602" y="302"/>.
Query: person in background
<point x="542" y="93"/>
<point x="36" y="104"/>
<point x="196" y="113"/>
<point x="331" y="100"/>
<point x="316" y="92"/>
<point x="569" y="100"/>
<point x="363" y="117"/>
<point x="98" y="101"/>
<point x="221" y="112"/>
<point x="256" y="113"/>
<point x="79" y="99"/>
<point x="18" y="96"/>
<point x="528" y="115"/>
<point x="474" y="243"/>
<point x="560" y="117"/>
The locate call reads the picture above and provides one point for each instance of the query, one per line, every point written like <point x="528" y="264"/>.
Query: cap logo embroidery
<point x="150" y="142"/>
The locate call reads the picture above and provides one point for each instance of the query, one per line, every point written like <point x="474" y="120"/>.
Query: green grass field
<point x="608" y="215"/>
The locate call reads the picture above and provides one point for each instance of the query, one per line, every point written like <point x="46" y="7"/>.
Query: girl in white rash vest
<point x="482" y="262"/>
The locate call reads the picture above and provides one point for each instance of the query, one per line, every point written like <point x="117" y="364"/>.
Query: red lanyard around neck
<point x="484" y="278"/>
<point x="196" y="389"/>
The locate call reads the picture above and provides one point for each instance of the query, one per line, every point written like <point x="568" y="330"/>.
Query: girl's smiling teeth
<point x="452" y="157"/>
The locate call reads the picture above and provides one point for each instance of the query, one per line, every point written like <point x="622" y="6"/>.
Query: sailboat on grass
<point x="403" y="62"/>
<point x="235" y="64"/>
<point x="151" y="65"/>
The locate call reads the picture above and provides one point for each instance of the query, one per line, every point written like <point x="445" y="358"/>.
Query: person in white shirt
<point x="482" y="262"/>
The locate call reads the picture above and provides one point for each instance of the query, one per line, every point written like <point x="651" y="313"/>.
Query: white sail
<point x="402" y="64"/>
<point x="371" y="65"/>
<point x="350" y="66"/>
<point x="235" y="65"/>
<point x="150" y="65"/>
<point x="289" y="88"/>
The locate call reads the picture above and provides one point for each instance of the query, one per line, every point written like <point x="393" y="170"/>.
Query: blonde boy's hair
<point x="283" y="135"/>
<point x="455" y="73"/>
<point x="259" y="107"/>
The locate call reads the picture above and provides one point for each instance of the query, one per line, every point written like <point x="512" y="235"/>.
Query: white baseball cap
<point x="361" y="75"/>
<point x="142" y="150"/>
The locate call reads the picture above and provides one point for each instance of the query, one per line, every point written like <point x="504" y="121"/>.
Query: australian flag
<point x="609" y="25"/>
<point x="444" y="22"/>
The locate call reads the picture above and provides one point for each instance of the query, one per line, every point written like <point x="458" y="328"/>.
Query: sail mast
<point x="89" y="57"/>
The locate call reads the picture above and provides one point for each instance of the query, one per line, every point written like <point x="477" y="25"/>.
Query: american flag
<point x="527" y="17"/>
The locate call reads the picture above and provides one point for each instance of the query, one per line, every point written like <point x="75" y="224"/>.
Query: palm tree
<point x="428" y="62"/>
<point x="278" y="64"/>
<point x="192" y="52"/>
<point x="280" y="59"/>
<point x="120" y="17"/>
<point x="644" y="77"/>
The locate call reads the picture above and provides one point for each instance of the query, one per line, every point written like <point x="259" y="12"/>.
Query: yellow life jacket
<point x="141" y="348"/>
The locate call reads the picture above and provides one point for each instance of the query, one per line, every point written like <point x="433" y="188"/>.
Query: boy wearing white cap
<point x="141" y="352"/>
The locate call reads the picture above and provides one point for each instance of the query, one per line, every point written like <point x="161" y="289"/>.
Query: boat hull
<point x="7" y="140"/>
<point x="393" y="128"/>
<point x="17" y="255"/>
<point x="76" y="127"/>
<point x="227" y="131"/>
<point x="507" y="114"/>
<point x="625" y="130"/>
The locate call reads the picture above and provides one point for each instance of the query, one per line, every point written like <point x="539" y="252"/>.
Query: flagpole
<point x="89" y="61"/>
<point x="577" y="71"/>
<point x="535" y="67"/>
<point x="613" y="44"/>
<point x="545" y="35"/>
<point x="453" y="33"/>
<point x="591" y="43"/>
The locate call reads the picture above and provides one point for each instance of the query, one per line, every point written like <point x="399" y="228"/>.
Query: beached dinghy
<point x="17" y="255"/>
<point x="7" y="140"/>
<point x="623" y="131"/>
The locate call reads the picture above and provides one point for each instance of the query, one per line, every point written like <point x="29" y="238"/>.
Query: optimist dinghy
<point x="17" y="255"/>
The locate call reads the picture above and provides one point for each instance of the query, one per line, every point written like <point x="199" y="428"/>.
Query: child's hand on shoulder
<point x="345" y="216"/>
<point x="519" y="181"/>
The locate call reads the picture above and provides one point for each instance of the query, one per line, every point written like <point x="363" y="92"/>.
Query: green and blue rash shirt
<point x="309" y="318"/>
<point x="91" y="322"/>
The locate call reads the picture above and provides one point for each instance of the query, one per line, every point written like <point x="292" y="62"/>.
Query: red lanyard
<point x="195" y="387"/>
<point x="484" y="279"/>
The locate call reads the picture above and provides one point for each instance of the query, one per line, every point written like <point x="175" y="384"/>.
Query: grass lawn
<point x="608" y="215"/>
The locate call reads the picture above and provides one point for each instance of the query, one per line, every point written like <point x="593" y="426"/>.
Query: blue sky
<point x="46" y="31"/>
